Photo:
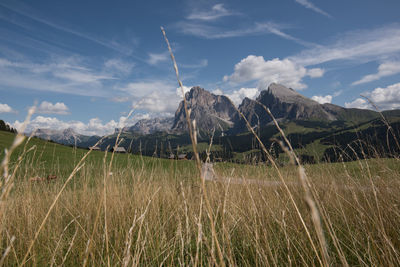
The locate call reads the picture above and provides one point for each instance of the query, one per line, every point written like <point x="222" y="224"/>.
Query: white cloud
<point x="62" y="75"/>
<point x="144" y="88"/>
<point x="79" y="76"/>
<point x="185" y="90"/>
<point x="216" y="12"/>
<point x="237" y="96"/>
<point x="155" y="58"/>
<point x="358" y="103"/>
<point x="161" y="102"/>
<point x="367" y="45"/>
<point x="285" y="71"/>
<point x="121" y="99"/>
<point x="384" y="69"/>
<point x="217" y="91"/>
<point x="315" y="73"/>
<point x="322" y="99"/>
<point x="50" y="108"/>
<point x="337" y="93"/>
<point x="213" y="32"/>
<point x="153" y="96"/>
<point x="309" y="5"/>
<point x="384" y="98"/>
<point x="118" y="65"/>
<point x="203" y="63"/>
<point x="4" y="108"/>
<point x="95" y="126"/>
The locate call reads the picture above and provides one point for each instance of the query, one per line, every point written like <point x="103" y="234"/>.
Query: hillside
<point x="51" y="158"/>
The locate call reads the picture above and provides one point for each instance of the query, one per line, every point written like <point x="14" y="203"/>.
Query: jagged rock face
<point x="285" y="104"/>
<point x="210" y="111"/>
<point x="150" y="126"/>
<point x="288" y="104"/>
<point x="67" y="136"/>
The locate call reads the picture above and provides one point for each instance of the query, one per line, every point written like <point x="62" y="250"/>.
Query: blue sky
<point x="87" y="63"/>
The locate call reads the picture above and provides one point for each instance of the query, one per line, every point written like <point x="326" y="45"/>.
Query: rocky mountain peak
<point x="285" y="104"/>
<point x="210" y="111"/>
<point x="285" y="94"/>
<point x="69" y="132"/>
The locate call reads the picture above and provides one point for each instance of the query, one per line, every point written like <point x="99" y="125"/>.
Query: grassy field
<point x="132" y="210"/>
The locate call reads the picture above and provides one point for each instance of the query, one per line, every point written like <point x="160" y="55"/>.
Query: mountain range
<point x="305" y="121"/>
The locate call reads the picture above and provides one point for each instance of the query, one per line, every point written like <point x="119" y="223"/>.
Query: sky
<point x="86" y="64"/>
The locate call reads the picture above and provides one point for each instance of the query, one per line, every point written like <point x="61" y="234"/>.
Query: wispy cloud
<point x="30" y="16"/>
<point x="365" y="45"/>
<point x="65" y="75"/>
<point x="118" y="66"/>
<point x="216" y="12"/>
<point x="213" y="32"/>
<point x="155" y="58"/>
<point x="201" y="64"/>
<point x="384" y="69"/>
<point x="309" y="5"/>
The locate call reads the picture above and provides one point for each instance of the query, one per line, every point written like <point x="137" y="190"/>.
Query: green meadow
<point x="126" y="209"/>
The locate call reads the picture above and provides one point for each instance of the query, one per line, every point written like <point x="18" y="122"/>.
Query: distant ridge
<point x="217" y="112"/>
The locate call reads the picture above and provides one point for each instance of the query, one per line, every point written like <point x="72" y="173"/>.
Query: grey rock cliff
<point x="210" y="111"/>
<point x="149" y="126"/>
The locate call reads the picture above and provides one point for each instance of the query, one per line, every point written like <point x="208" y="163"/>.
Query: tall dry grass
<point x="154" y="217"/>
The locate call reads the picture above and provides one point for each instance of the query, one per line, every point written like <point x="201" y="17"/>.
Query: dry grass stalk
<point x="76" y="169"/>
<point x="316" y="218"/>
<point x="270" y="158"/>
<point x="8" y="249"/>
<point x="193" y="137"/>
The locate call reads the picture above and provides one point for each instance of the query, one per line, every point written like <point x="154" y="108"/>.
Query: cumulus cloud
<point x="309" y="5"/>
<point x="322" y="99"/>
<point x="384" y="98"/>
<point x="4" y="108"/>
<point x="160" y="102"/>
<point x="358" y="103"/>
<point x="217" y="91"/>
<point x="153" y="96"/>
<point x="285" y="71"/>
<point x="237" y="96"/>
<point x="216" y="12"/>
<point x="384" y="69"/>
<point x="50" y="108"/>
<point x="185" y="90"/>
<point x="95" y="126"/>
